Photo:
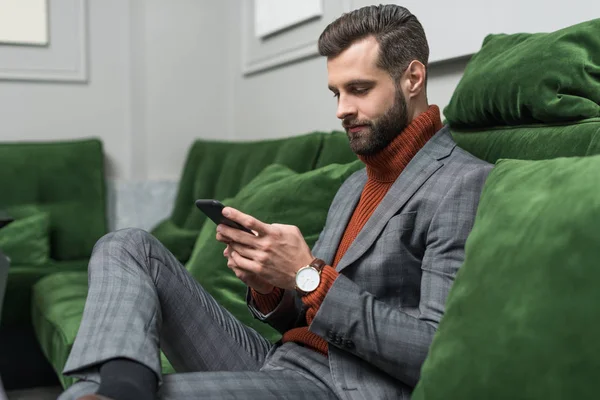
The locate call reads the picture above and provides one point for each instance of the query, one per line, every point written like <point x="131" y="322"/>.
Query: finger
<point x="241" y="274"/>
<point x="247" y="252"/>
<point x="231" y="264"/>
<point x="227" y="234"/>
<point x="221" y="238"/>
<point x="245" y="264"/>
<point x="246" y="220"/>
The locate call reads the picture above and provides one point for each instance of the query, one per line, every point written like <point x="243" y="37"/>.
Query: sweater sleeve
<point x="314" y="299"/>
<point x="267" y="302"/>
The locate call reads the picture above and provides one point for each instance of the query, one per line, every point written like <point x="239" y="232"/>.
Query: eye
<point x="360" y="91"/>
<point x="336" y="95"/>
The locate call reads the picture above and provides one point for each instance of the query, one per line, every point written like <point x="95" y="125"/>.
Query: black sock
<point x="125" y="379"/>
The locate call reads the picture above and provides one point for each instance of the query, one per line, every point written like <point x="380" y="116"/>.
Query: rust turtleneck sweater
<point x="383" y="169"/>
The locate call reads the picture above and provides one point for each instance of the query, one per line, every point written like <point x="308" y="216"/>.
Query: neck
<point x="418" y="109"/>
<point x="387" y="165"/>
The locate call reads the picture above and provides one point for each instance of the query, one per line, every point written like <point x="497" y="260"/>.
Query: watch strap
<point x="318" y="264"/>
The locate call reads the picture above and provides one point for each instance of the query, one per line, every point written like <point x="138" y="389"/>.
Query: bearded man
<point x="358" y="311"/>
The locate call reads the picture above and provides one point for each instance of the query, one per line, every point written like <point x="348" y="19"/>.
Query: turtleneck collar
<point x="387" y="165"/>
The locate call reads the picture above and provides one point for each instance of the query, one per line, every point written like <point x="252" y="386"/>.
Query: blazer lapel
<point x="341" y="216"/>
<point x="424" y="164"/>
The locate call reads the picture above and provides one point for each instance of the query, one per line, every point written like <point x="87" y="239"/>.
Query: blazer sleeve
<point x="383" y="335"/>
<point x="288" y="314"/>
<point x="291" y="311"/>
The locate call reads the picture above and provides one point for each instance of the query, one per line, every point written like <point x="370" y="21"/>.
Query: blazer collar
<point x="423" y="165"/>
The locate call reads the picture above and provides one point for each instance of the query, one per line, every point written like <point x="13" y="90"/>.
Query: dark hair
<point x="400" y="36"/>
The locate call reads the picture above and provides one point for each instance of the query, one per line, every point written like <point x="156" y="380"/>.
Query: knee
<point x="127" y="236"/>
<point x="122" y="243"/>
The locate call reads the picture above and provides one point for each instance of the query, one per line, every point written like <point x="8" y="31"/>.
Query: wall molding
<point x="75" y="70"/>
<point x="253" y="63"/>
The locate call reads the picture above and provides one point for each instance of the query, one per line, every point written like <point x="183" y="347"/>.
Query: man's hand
<point x="251" y="280"/>
<point x="274" y="254"/>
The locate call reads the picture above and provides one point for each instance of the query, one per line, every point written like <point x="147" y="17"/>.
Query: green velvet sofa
<point x="520" y="320"/>
<point x="213" y="169"/>
<point x="65" y="181"/>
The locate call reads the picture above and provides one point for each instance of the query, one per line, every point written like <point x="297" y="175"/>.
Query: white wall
<point x="294" y="99"/>
<point x="187" y="86"/>
<point x="162" y="73"/>
<point x="156" y="81"/>
<point x="54" y="110"/>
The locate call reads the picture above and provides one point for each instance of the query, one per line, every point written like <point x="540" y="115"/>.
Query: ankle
<point x="122" y="379"/>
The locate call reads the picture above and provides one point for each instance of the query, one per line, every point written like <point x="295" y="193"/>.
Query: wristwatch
<point x="309" y="276"/>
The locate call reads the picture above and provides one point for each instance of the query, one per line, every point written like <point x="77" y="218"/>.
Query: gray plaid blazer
<point x="380" y="315"/>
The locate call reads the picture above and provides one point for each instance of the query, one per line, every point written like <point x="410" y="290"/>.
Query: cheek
<point x="376" y="105"/>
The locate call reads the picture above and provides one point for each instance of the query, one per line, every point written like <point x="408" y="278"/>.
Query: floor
<point x="41" y="393"/>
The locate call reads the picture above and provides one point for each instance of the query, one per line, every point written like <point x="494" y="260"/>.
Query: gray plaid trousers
<point x="141" y="299"/>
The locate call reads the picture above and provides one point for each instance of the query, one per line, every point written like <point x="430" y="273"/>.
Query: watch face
<point x="307" y="279"/>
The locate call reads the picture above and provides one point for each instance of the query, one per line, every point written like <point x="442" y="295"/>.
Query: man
<point x="358" y="311"/>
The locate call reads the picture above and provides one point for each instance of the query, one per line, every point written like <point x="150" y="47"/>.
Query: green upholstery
<point x="212" y="170"/>
<point x="57" y="314"/>
<point x="520" y="320"/>
<point x="532" y="142"/>
<point x="67" y="180"/>
<point x="219" y="170"/>
<point x="335" y="150"/>
<point x="26" y="240"/>
<point x="277" y="195"/>
<point x="19" y="289"/>
<point x="530" y="78"/>
<point x="274" y="195"/>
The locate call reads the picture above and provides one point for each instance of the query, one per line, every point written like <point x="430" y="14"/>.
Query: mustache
<point x="353" y="123"/>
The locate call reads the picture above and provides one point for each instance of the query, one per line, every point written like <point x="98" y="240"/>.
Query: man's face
<point x="372" y="109"/>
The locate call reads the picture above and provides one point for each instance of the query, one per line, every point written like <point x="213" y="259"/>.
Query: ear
<point x="413" y="79"/>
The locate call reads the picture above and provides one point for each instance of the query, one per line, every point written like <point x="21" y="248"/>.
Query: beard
<point x="378" y="134"/>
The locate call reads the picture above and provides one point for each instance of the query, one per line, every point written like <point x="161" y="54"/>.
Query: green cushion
<point x="57" y="308"/>
<point x="26" y="240"/>
<point x="520" y="321"/>
<point x="531" y="142"/>
<point x="21" y="278"/>
<point x="279" y="195"/>
<point x="67" y="180"/>
<point x="219" y="169"/>
<point x="528" y="78"/>
<point x="335" y="150"/>
<point x="179" y="241"/>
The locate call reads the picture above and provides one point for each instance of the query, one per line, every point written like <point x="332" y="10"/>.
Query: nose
<point x="345" y="108"/>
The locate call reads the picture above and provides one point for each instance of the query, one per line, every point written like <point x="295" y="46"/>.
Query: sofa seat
<point x="58" y="303"/>
<point x="20" y="287"/>
<point x="57" y="307"/>
<point x="213" y="169"/>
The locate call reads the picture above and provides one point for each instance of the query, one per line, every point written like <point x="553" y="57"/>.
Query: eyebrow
<point x="354" y="82"/>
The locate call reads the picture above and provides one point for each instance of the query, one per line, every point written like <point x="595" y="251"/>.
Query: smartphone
<point x="214" y="210"/>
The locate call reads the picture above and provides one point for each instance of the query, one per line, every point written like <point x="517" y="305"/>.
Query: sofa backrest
<point x="219" y="169"/>
<point x="517" y="99"/>
<point x="335" y="149"/>
<point x="64" y="178"/>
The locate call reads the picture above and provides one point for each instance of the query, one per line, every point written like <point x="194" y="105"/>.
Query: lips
<point x="355" y="128"/>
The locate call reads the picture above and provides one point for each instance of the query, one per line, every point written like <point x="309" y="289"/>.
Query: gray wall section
<point x="162" y="73"/>
<point x="186" y="80"/>
<point x="156" y="80"/>
<point x="35" y="110"/>
<point x="294" y="98"/>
